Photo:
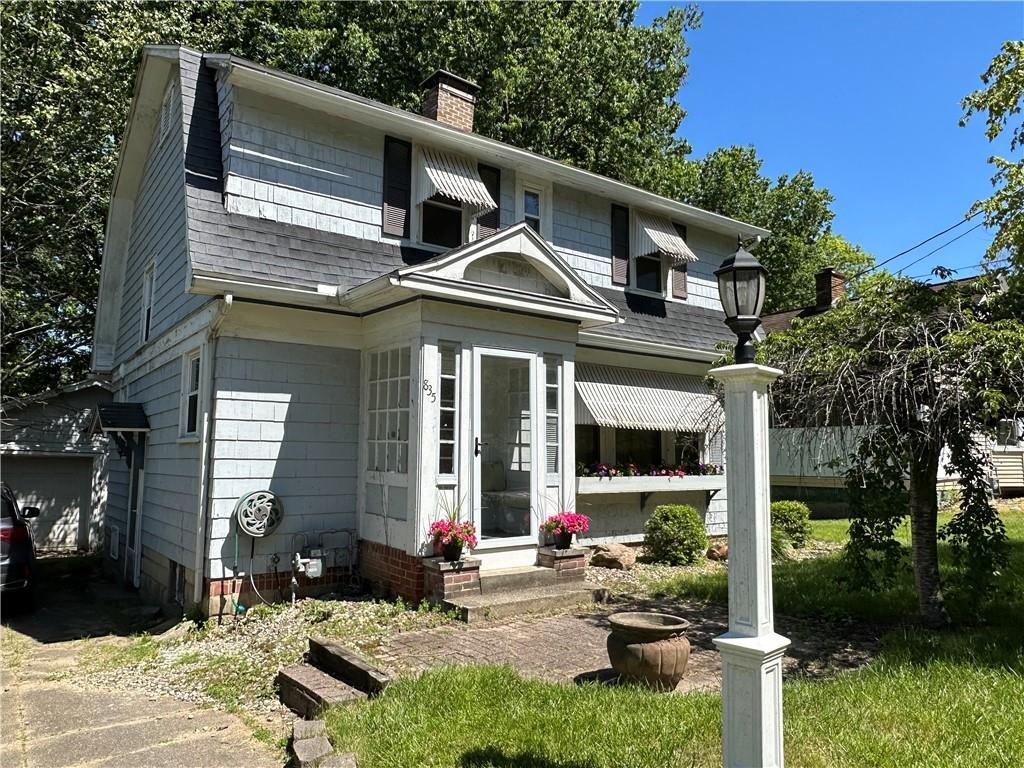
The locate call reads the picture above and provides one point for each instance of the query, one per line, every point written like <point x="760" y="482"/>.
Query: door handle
<point x="477" y="447"/>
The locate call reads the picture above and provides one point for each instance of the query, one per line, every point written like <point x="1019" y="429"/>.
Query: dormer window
<point x="648" y="273"/>
<point x="655" y="243"/>
<point x="449" y="186"/>
<point x="442" y="222"/>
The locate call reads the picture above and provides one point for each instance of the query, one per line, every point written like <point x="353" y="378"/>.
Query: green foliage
<point x="1002" y="99"/>
<point x="580" y="82"/>
<point x="675" y="535"/>
<point x="900" y="373"/>
<point x="781" y="545"/>
<point x="798" y="213"/>
<point x="793" y="519"/>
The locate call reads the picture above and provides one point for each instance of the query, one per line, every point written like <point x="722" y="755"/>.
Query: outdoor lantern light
<point x="741" y="289"/>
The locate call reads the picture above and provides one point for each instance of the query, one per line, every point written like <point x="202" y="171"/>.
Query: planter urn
<point x="649" y="648"/>
<point x="563" y="540"/>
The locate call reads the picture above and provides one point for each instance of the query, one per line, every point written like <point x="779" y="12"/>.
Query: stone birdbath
<point x="649" y="648"/>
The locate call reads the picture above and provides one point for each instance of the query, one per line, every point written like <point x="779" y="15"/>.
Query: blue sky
<point x="866" y="96"/>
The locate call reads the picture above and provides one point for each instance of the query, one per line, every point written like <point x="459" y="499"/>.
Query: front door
<point x="504" y="457"/>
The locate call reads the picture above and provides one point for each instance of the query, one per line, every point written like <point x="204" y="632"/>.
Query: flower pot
<point x="452" y="552"/>
<point x="563" y="540"/>
<point x="649" y="648"/>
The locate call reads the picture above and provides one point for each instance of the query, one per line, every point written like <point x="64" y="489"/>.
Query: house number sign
<point x="429" y="389"/>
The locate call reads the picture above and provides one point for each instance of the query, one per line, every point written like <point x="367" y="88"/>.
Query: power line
<point x="936" y="250"/>
<point x="913" y="247"/>
<point x="972" y="266"/>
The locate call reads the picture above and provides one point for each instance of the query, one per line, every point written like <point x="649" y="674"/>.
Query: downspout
<point x="206" y="449"/>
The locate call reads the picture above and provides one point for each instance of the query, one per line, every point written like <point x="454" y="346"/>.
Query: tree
<point x="798" y="213"/>
<point x="580" y="82"/>
<point x="902" y="372"/>
<point x="1002" y="99"/>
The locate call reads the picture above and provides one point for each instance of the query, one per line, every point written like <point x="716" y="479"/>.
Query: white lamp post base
<point x="752" y="713"/>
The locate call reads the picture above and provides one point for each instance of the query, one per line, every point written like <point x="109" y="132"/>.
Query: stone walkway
<point x="46" y="721"/>
<point x="571" y="647"/>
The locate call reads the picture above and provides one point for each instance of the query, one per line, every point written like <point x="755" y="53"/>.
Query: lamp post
<point x="751" y="650"/>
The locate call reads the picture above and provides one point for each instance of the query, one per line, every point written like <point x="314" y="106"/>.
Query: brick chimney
<point x="449" y="99"/>
<point x="829" y="285"/>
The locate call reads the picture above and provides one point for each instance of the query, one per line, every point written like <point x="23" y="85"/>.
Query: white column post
<point x="751" y="650"/>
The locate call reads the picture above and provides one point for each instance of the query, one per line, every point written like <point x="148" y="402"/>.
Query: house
<point x="373" y="315"/>
<point x="814" y="472"/>
<point x="53" y="461"/>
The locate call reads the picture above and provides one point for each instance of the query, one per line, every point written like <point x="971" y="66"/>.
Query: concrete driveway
<point x="46" y="721"/>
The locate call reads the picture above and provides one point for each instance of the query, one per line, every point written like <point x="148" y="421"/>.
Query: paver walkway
<point x="47" y="722"/>
<point x="572" y="647"/>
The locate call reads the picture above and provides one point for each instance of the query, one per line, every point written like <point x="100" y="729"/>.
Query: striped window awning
<point x="654" y="234"/>
<point x="454" y="177"/>
<point x="632" y="398"/>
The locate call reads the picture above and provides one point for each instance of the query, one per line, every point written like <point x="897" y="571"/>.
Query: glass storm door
<point x="504" y="450"/>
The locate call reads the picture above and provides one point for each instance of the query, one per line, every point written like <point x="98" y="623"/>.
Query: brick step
<point x="305" y="690"/>
<point x="516" y="578"/>
<point x="521" y="602"/>
<point x="347" y="666"/>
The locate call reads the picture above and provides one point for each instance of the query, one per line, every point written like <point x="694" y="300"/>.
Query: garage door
<point x="61" y="488"/>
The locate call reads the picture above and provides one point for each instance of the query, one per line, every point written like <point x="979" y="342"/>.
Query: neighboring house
<point x="814" y="472"/>
<point x="52" y="460"/>
<point x="372" y="314"/>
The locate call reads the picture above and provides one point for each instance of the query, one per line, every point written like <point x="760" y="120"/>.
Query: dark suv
<point x="17" y="552"/>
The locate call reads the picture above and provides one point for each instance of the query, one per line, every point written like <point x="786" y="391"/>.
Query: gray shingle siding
<point x="169" y="504"/>
<point x="286" y="420"/>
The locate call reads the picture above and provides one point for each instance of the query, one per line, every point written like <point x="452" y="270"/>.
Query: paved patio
<point x="571" y="647"/>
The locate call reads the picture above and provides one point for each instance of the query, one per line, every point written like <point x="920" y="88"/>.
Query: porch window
<point x="387" y="400"/>
<point x="638" y="446"/>
<point x="519" y="417"/>
<point x="588" y="444"/>
<point x="552" y="412"/>
<point x="449" y="410"/>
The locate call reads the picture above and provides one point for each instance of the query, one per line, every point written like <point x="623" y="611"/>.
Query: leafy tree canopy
<point x="580" y="82"/>
<point x="1001" y="99"/>
<point x="901" y="373"/>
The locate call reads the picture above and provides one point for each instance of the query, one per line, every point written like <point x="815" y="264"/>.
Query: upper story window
<point x="146" y="318"/>
<point x="649" y="253"/>
<point x="190" y="378"/>
<point x="531" y="209"/>
<point x="648" y="270"/>
<point x="167" y="109"/>
<point x="533" y="205"/>
<point x="442" y="222"/>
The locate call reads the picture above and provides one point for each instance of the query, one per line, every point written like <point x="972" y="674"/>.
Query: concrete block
<point x="310" y="752"/>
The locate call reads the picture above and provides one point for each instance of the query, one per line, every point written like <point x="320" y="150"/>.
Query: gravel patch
<point x="233" y="664"/>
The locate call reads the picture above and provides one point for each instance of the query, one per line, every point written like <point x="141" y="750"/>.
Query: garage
<point x="51" y="460"/>
<point x="62" y="489"/>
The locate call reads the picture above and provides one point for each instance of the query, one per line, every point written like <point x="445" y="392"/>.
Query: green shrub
<point x="675" y="535"/>
<point x="794" y="519"/>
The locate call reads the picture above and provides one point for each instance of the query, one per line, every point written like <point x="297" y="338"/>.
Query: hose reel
<point x="258" y="513"/>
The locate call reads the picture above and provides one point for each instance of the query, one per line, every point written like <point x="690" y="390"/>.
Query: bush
<point x="675" y="535"/>
<point x="793" y="518"/>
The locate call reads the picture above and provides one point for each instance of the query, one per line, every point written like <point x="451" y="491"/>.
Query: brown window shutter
<point x="679" y="274"/>
<point x="397" y="186"/>
<point x="489" y="223"/>
<point x="620" y="245"/>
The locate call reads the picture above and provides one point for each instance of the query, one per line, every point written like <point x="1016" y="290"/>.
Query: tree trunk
<point x="924" y="521"/>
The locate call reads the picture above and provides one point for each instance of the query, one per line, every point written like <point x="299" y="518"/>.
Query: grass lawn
<point x="951" y="699"/>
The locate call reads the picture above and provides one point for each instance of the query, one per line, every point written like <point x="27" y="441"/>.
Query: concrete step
<point x="347" y="666"/>
<point x="305" y="690"/>
<point x="492" y="582"/>
<point x="521" y="602"/>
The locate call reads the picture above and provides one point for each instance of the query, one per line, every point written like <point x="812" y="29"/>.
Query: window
<point x="190" y="377"/>
<point x="387" y="399"/>
<point x="448" y="403"/>
<point x="519" y="424"/>
<point x="687" y="453"/>
<point x="588" y="444"/>
<point x="638" y="446"/>
<point x="648" y="273"/>
<point x="531" y="209"/>
<point x="146" y="321"/>
<point x="552" y="421"/>
<point x="442" y="222"/>
<point x="167" y="109"/>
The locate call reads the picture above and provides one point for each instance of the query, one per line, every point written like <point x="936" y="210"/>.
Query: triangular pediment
<point x="516" y="260"/>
